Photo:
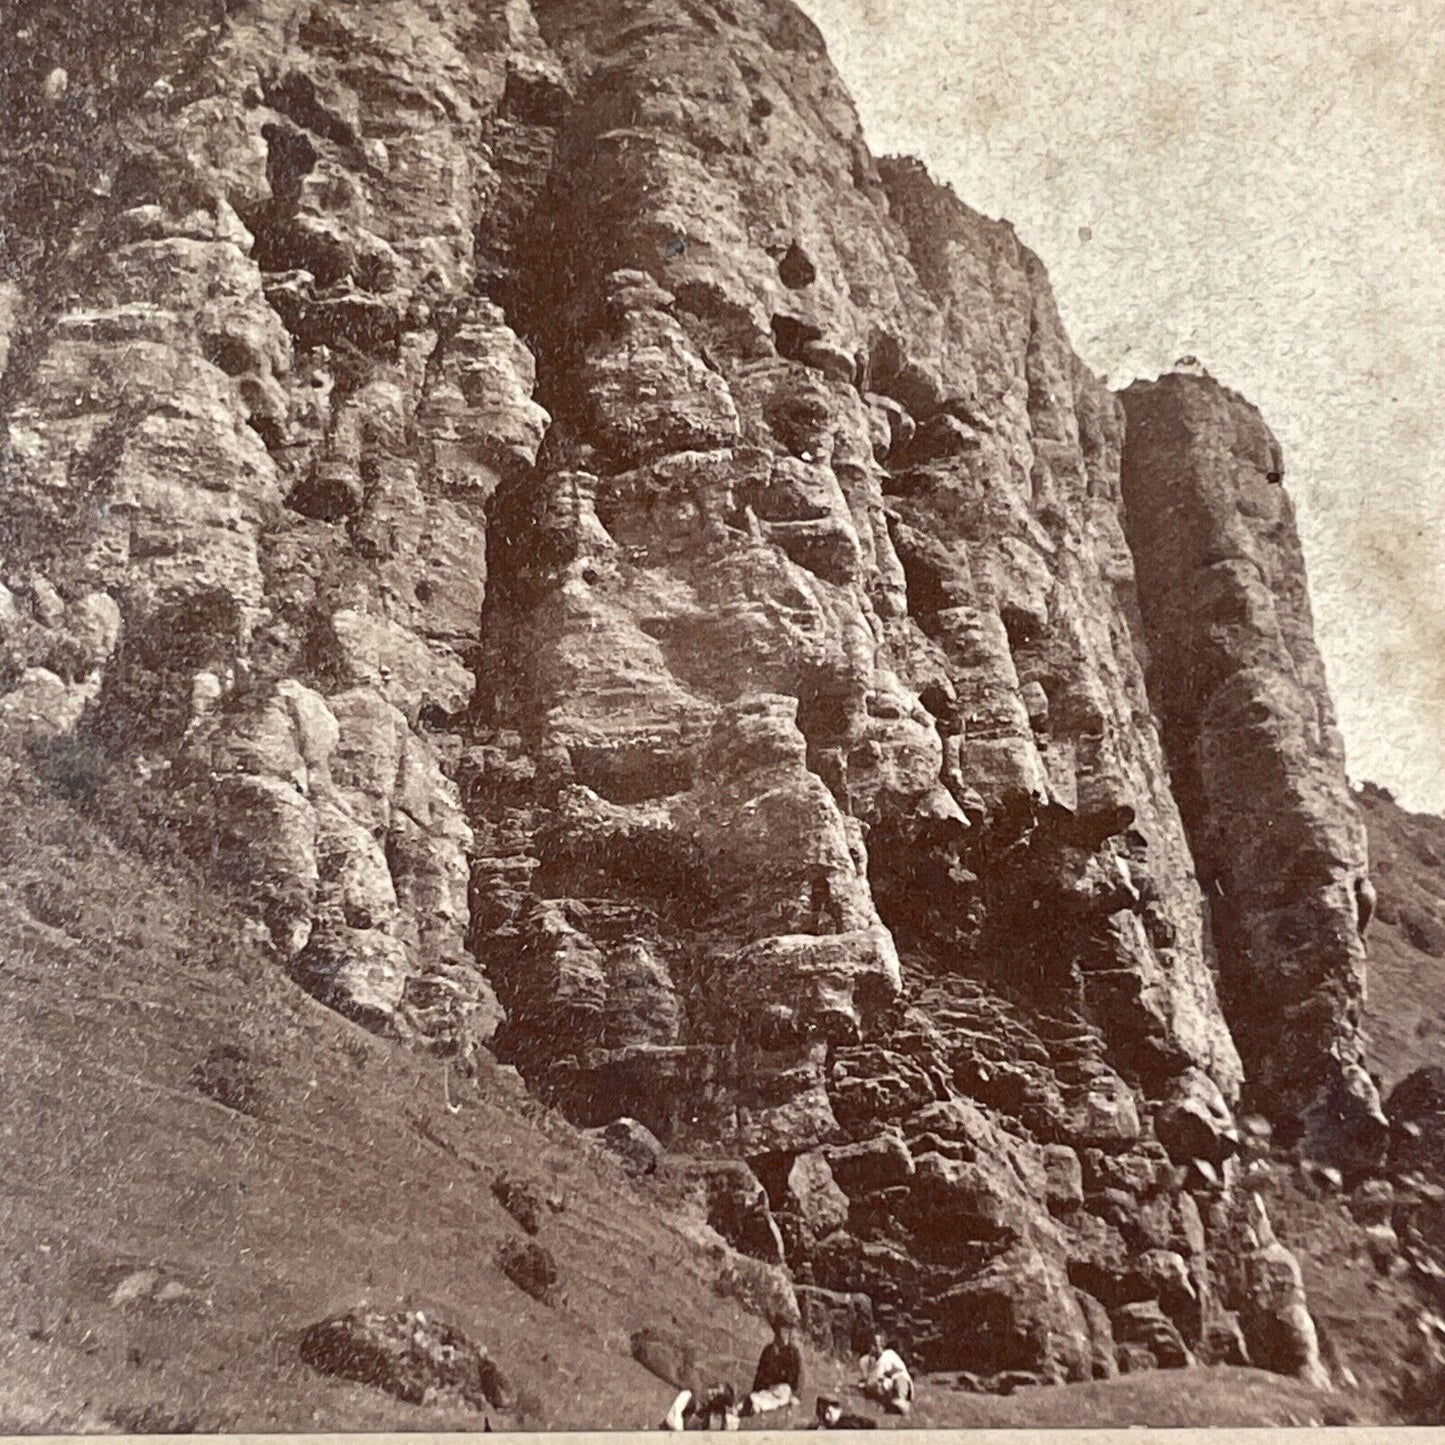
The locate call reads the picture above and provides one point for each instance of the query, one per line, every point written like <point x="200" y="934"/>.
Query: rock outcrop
<point x="1415" y="1209"/>
<point x="603" y="567"/>
<point x="407" y="1355"/>
<point x="1256" y="760"/>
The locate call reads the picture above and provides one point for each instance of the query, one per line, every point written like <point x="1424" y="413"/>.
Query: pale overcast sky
<point x="1257" y="183"/>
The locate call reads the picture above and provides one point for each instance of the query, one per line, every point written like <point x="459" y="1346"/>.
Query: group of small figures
<point x="777" y="1386"/>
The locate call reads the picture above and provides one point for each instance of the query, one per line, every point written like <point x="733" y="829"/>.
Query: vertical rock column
<point x="1257" y="761"/>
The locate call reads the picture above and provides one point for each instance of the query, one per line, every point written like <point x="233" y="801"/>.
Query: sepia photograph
<point x="721" y="715"/>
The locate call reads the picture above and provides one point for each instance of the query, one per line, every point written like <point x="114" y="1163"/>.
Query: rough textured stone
<point x="602" y="567"/>
<point x="1257" y="759"/>
<point x="634" y="1144"/>
<point x="1416" y="1110"/>
<point x="358" y="972"/>
<point x="531" y="1267"/>
<point x="839" y="1323"/>
<point x="1222" y="1342"/>
<point x="1064" y="1178"/>
<point x="812" y="1194"/>
<point x="1194" y="1122"/>
<point x="1134" y="1359"/>
<point x="1019" y="1312"/>
<point x="1278" y="1329"/>
<point x="737" y="1207"/>
<point x="1146" y="1326"/>
<point x="871" y="1164"/>
<point x="1103" y="1360"/>
<point x="407" y="1355"/>
<point x="1373" y="1202"/>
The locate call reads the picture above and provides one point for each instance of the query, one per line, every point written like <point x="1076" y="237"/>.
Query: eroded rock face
<point x="599" y="564"/>
<point x="1416" y="1203"/>
<point x="258" y="412"/>
<point x="1256" y="759"/>
<point x="1274" y="1314"/>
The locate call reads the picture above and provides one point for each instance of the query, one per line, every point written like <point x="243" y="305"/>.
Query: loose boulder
<point x="531" y="1267"/>
<point x="520" y="1200"/>
<point x="408" y="1355"/>
<point x="361" y="973"/>
<point x="1063" y="1178"/>
<point x="1146" y="1325"/>
<point x="1194" y="1122"/>
<point x="1020" y="1313"/>
<point x="874" y="1163"/>
<point x="635" y="1146"/>
<point x="1278" y="1328"/>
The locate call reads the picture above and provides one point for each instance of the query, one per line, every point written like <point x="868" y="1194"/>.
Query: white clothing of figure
<point x="885" y="1378"/>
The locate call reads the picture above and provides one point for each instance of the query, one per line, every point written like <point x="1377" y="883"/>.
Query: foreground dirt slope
<point x="349" y="1182"/>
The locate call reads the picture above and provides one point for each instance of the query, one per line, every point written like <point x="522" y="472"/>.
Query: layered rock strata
<point x="602" y="566"/>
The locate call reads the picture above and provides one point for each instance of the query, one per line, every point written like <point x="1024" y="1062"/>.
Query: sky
<point x="1259" y="184"/>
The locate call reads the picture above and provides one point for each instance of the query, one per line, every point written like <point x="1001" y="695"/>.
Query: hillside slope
<point x="343" y="1179"/>
<point x="1405" y="1009"/>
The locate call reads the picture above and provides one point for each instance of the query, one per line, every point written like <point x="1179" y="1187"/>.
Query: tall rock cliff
<point x="606" y="570"/>
<point x="1257" y="760"/>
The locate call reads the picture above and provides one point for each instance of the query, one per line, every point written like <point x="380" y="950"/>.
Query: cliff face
<point x="607" y="570"/>
<point x="1257" y="761"/>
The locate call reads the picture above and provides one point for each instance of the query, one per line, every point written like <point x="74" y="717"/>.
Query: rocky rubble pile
<point x="1412" y="1206"/>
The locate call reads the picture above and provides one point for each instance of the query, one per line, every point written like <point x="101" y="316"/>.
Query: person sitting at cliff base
<point x="830" y="1415"/>
<point x="885" y="1377"/>
<point x="714" y="1407"/>
<point x="779" y="1376"/>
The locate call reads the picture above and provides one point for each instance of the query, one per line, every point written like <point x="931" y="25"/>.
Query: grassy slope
<point x="351" y="1183"/>
<point x="354" y="1183"/>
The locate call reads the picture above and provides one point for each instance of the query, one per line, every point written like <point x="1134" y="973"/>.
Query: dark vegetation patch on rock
<point x="531" y="1267"/>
